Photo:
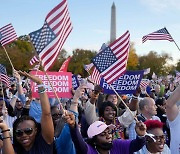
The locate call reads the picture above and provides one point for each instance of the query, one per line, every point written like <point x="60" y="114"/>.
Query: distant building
<point x="113" y="23"/>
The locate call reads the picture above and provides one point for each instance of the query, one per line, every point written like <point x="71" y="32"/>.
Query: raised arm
<point x="139" y="142"/>
<point x="19" y="82"/>
<point x="46" y="119"/>
<point x="90" y="109"/>
<point x="77" y="94"/>
<point x="133" y="105"/>
<point x="7" y="145"/>
<point x="171" y="107"/>
<point x="80" y="144"/>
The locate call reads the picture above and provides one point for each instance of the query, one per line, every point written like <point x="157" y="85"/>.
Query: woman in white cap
<point x="101" y="140"/>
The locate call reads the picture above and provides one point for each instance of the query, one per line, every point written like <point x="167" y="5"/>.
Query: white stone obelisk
<point x="113" y="23"/>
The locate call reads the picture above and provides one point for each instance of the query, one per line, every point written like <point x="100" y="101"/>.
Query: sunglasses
<point x="56" y="115"/>
<point x="20" y="132"/>
<point x="160" y="138"/>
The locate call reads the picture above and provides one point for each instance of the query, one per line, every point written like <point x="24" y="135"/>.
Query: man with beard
<point x="101" y="139"/>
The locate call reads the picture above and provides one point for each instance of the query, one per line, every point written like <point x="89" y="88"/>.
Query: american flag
<point x="147" y="71"/>
<point x="96" y="76"/>
<point x="48" y="40"/>
<point x="3" y="75"/>
<point x="144" y="83"/>
<point x="161" y="34"/>
<point x="111" y="62"/>
<point x="7" y="34"/>
<point x="88" y="67"/>
<point x="34" y="60"/>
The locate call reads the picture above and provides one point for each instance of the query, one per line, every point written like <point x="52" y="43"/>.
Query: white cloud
<point x="161" y="5"/>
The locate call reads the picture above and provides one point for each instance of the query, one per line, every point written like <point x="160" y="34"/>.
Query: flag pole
<point x="173" y="39"/>
<point x="2" y="90"/>
<point x="135" y="118"/>
<point x="53" y="89"/>
<point x="176" y="45"/>
<point x="35" y="75"/>
<point x="8" y="57"/>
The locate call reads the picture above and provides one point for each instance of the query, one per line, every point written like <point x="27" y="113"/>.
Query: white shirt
<point x="175" y="135"/>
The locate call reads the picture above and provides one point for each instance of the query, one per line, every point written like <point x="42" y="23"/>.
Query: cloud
<point x="161" y="5"/>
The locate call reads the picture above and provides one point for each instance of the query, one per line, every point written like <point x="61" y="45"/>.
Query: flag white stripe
<point x="59" y="48"/>
<point x="120" y="41"/>
<point x="62" y="18"/>
<point x="120" y="48"/>
<point x="109" y="74"/>
<point x="116" y="75"/>
<point x="119" y="61"/>
<point x="54" y="42"/>
<point x="57" y="38"/>
<point x="58" y="11"/>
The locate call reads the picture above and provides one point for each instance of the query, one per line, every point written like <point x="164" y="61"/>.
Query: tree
<point x="157" y="63"/>
<point x="20" y="53"/>
<point x="178" y="66"/>
<point x="59" y="61"/>
<point x="80" y="57"/>
<point x="132" y="58"/>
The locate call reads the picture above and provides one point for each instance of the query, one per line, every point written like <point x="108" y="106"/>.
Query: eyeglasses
<point x="160" y="138"/>
<point x="20" y="132"/>
<point x="56" y="115"/>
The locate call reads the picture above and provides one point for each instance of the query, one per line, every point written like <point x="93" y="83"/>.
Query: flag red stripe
<point x="55" y="9"/>
<point x="161" y="34"/>
<point x="52" y="47"/>
<point x="59" y="41"/>
<point x="59" y="48"/>
<point x="8" y="34"/>
<point x="120" y="48"/>
<point x="58" y="16"/>
<point x="58" y="20"/>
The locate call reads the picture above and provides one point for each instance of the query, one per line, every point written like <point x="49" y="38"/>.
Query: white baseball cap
<point x="97" y="128"/>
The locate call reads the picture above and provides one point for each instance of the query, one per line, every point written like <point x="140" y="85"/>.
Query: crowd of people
<point x="145" y="122"/>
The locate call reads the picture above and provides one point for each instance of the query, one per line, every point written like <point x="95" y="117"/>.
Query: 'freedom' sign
<point x="126" y="84"/>
<point x="61" y="83"/>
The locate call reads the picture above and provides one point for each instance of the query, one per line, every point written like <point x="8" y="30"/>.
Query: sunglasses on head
<point x="20" y="132"/>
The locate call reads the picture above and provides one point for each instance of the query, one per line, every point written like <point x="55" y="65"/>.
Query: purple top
<point x="119" y="146"/>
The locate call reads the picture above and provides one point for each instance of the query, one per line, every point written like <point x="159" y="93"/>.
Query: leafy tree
<point x="178" y="66"/>
<point x="79" y="58"/>
<point x="132" y="58"/>
<point x="20" y="53"/>
<point x="156" y="62"/>
<point x="59" y="61"/>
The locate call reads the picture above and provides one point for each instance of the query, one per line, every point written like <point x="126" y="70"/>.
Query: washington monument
<point x="113" y="23"/>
